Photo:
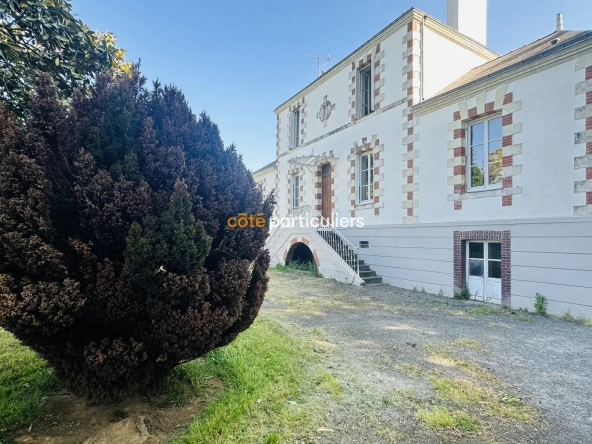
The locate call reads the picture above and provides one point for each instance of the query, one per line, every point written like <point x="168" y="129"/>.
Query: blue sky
<point x="239" y="60"/>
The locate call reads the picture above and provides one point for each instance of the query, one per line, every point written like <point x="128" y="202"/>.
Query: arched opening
<point x="300" y="254"/>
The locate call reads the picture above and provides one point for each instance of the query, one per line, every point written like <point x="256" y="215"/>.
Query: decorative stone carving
<point x="325" y="111"/>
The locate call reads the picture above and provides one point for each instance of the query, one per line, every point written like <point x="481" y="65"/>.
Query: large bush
<point x="116" y="263"/>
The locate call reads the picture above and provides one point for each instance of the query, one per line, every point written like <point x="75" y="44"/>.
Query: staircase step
<point x="372" y="280"/>
<point x="361" y="262"/>
<point x="365" y="274"/>
<point x="365" y="268"/>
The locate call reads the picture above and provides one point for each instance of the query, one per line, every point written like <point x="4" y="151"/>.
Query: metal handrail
<point x="325" y="229"/>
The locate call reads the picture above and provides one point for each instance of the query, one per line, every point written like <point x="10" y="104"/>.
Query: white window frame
<point x="370" y="184"/>
<point x="295" y="129"/>
<point x="486" y="259"/>
<point x="364" y="72"/>
<point x="486" y="141"/>
<point x="295" y="191"/>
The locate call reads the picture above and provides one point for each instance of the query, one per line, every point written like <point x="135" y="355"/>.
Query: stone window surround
<point x="374" y="57"/>
<point x="460" y="258"/>
<point x="298" y="106"/>
<point x="366" y="147"/>
<point x="505" y="105"/>
<point x="295" y="170"/>
<point x="318" y="181"/>
<point x="584" y="69"/>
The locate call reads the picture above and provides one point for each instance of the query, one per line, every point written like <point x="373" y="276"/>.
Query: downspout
<point x="421" y="64"/>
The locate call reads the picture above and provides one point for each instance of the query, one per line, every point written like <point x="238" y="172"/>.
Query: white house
<point x="469" y="168"/>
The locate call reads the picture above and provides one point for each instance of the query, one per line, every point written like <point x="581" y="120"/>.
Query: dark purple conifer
<point x="116" y="263"/>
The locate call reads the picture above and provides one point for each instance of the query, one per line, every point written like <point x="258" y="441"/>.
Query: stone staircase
<point x="339" y="244"/>
<point x="368" y="275"/>
<point x="350" y="255"/>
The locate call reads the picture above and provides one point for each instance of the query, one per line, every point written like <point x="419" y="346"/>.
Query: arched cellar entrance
<point x="300" y="253"/>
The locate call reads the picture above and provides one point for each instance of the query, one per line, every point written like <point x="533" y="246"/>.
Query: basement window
<point x="485" y="154"/>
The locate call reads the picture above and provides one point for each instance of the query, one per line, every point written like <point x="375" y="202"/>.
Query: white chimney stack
<point x="469" y="17"/>
<point x="559" y="22"/>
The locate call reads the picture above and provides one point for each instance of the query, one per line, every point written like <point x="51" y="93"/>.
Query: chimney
<point x="559" y="22"/>
<point x="469" y="17"/>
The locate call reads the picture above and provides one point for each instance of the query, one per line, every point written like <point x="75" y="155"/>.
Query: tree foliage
<point x="116" y="263"/>
<point x="43" y="36"/>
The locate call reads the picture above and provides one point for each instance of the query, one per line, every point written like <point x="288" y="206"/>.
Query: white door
<point x="484" y="270"/>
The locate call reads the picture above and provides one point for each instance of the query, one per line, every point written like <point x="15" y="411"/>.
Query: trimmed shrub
<point x="116" y="263"/>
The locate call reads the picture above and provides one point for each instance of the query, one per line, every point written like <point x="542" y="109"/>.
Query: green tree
<point x="43" y="36"/>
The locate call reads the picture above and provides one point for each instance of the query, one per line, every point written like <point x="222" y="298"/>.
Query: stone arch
<point x="301" y="250"/>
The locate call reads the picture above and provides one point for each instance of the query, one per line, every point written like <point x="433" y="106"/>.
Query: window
<point x="485" y="154"/>
<point x="295" y="129"/>
<point x="295" y="191"/>
<point x="485" y="259"/>
<point x="364" y="91"/>
<point x="366" y="181"/>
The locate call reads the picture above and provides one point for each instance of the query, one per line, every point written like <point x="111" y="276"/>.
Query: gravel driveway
<point x="392" y="344"/>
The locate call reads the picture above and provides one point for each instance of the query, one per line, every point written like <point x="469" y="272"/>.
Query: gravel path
<point x="545" y="361"/>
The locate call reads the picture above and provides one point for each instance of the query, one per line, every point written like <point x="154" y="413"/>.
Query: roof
<point x="272" y="164"/>
<point x="413" y="12"/>
<point x="543" y="47"/>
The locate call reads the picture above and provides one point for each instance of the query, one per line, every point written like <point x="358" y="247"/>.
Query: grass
<point x="465" y="393"/>
<point x="490" y="310"/>
<point x="25" y="379"/>
<point x="329" y="383"/>
<point x="262" y="372"/>
<point x="441" y="417"/>
<point x="468" y="366"/>
<point x="411" y="370"/>
<point x="464" y="294"/>
<point x="568" y="317"/>
<point x="473" y="344"/>
<point x="307" y="267"/>
<point x="444" y="348"/>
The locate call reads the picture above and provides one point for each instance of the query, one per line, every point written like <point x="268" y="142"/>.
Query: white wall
<point x="336" y="88"/>
<point x="444" y="62"/>
<point x="547" y="158"/>
<point x="268" y="178"/>
<point x="550" y="256"/>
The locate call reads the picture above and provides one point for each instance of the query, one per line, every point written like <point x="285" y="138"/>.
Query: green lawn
<point x="24" y="380"/>
<point x="262" y="373"/>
